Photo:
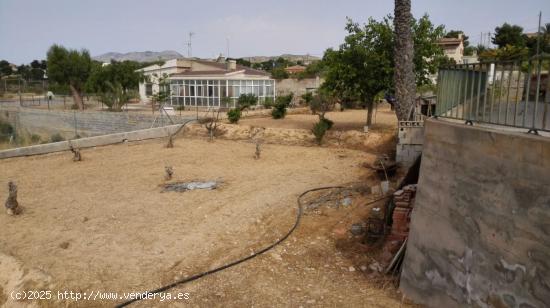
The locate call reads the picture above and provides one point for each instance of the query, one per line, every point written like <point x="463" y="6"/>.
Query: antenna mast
<point x="189" y="45"/>
<point x="227" y="46"/>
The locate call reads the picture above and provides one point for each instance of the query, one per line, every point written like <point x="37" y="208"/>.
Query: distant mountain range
<point x="139" y="56"/>
<point x="289" y="57"/>
<point x="148" y="56"/>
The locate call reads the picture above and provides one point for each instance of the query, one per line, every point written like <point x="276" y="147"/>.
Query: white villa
<point x="453" y="48"/>
<point x="204" y="83"/>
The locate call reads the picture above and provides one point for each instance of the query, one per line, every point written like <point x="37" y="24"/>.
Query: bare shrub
<point x="212" y="124"/>
<point x="258" y="150"/>
<point x="76" y="152"/>
<point x="12" y="206"/>
<point x="168" y="172"/>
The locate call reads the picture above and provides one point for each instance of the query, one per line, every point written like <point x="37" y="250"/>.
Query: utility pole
<point x="227" y="46"/>
<point x="538" y="34"/>
<point x="481" y="39"/>
<point x="189" y="45"/>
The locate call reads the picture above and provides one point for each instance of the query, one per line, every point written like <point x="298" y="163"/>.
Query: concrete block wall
<point x="480" y="228"/>
<point x="297" y="86"/>
<point x="138" y="135"/>
<point x="410" y="141"/>
<point x="82" y="123"/>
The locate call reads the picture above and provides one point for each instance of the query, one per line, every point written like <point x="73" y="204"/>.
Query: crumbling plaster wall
<point x="480" y="228"/>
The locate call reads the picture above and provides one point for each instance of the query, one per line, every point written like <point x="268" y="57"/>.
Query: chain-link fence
<point x="28" y="126"/>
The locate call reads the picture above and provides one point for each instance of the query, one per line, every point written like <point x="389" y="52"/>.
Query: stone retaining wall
<point x="480" y="232"/>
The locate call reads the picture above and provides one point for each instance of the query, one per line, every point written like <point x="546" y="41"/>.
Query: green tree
<point x="509" y="35"/>
<point x="124" y="73"/>
<point x="279" y="73"/>
<point x="363" y="66"/>
<point x="321" y="104"/>
<point x="71" y="67"/>
<point x="428" y="55"/>
<point x="506" y="53"/>
<point x="163" y="93"/>
<point x="242" y="61"/>
<point x="115" y="96"/>
<point x="5" y="68"/>
<point x="543" y="41"/>
<point x="480" y="48"/>
<point x="24" y="71"/>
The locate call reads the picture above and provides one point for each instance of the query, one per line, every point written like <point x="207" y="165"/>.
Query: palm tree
<point x="404" y="80"/>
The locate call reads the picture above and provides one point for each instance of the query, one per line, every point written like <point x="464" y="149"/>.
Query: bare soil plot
<point x="351" y="119"/>
<point x="103" y="224"/>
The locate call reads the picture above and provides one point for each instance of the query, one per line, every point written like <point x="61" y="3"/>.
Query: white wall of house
<point x="455" y="52"/>
<point x="208" y="90"/>
<point x="154" y="72"/>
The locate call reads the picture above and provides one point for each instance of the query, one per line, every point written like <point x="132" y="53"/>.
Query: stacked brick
<point x="404" y="201"/>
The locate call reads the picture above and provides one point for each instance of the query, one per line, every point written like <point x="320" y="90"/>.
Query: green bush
<point x="35" y="138"/>
<point x="234" y="115"/>
<point x="279" y="73"/>
<point x="246" y="101"/>
<point x="328" y="122"/>
<point x="320" y="128"/>
<point x="281" y="103"/>
<point x="307" y="98"/>
<point x="279" y="111"/>
<point x="180" y="107"/>
<point x="268" y="102"/>
<point x="56" y="138"/>
<point x="285" y="99"/>
<point x="6" y="130"/>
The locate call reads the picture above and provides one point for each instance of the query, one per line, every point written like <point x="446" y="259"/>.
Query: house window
<point x="148" y="89"/>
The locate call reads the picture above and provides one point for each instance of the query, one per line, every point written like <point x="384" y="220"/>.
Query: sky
<point x="237" y="27"/>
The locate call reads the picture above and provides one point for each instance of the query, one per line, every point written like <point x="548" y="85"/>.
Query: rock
<point x="351" y="269"/>
<point x="346" y="201"/>
<point x="376" y="267"/>
<point x="311" y="301"/>
<point x="363" y="268"/>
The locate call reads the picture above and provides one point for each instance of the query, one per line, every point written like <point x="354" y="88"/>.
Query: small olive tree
<point x="320" y="105"/>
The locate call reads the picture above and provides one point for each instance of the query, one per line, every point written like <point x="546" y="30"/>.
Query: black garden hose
<point x="212" y="271"/>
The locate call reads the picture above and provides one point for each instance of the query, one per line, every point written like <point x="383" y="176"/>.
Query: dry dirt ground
<point x="352" y="119"/>
<point x="103" y="224"/>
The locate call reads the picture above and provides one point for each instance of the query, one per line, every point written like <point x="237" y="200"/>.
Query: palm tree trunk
<point x="404" y="79"/>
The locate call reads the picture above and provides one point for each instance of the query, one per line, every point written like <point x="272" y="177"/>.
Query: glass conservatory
<point x="210" y="92"/>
